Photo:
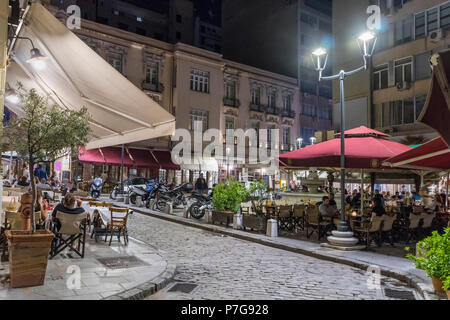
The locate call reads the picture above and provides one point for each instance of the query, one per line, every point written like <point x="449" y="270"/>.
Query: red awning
<point x="91" y="156"/>
<point x="143" y="158"/>
<point x="431" y="155"/>
<point x="363" y="131"/>
<point x="362" y="151"/>
<point x="164" y="159"/>
<point x="113" y="157"/>
<point x="436" y="112"/>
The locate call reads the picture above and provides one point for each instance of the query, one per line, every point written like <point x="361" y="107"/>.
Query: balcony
<point x="230" y="102"/>
<point x="257" y="107"/>
<point x="288" y="114"/>
<point x="154" y="87"/>
<point x="274" y="111"/>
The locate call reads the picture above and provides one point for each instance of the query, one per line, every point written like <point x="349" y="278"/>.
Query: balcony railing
<point x="257" y="107"/>
<point x="288" y="114"/>
<point x="230" y="102"/>
<point x="274" y="111"/>
<point x="155" y="87"/>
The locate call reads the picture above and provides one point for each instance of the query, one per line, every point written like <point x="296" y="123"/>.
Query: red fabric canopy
<point x="431" y="155"/>
<point x="165" y="160"/>
<point x="143" y="158"/>
<point x="91" y="156"/>
<point x="436" y="112"/>
<point x="362" y="151"/>
<point x="113" y="157"/>
<point x="363" y="131"/>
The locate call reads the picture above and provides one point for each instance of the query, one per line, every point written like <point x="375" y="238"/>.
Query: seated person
<point x="43" y="184"/>
<point x="379" y="196"/>
<point x="396" y="196"/>
<point x="415" y="196"/>
<point x="332" y="201"/>
<point x="377" y="207"/>
<point x="42" y="206"/>
<point x="70" y="188"/>
<point x="326" y="210"/>
<point x="68" y="205"/>
<point x="23" y="182"/>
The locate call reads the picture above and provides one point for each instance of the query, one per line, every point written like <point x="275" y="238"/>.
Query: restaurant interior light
<point x="36" y="56"/>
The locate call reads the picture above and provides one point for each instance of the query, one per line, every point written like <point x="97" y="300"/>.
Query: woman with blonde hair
<point x="68" y="206"/>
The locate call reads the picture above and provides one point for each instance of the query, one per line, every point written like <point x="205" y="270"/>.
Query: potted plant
<point x="44" y="132"/>
<point x="227" y="199"/>
<point x="257" y="194"/>
<point x="434" y="257"/>
<point x="446" y="286"/>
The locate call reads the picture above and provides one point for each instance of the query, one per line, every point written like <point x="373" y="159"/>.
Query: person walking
<point x="201" y="185"/>
<point x="40" y="173"/>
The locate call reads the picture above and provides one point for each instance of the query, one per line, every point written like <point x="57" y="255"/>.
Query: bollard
<point x="151" y="204"/>
<point x="237" y="221"/>
<point x="169" y="208"/>
<point x="208" y="216"/>
<point x="139" y="202"/>
<point x="127" y="198"/>
<point x="185" y="212"/>
<point x="272" y="228"/>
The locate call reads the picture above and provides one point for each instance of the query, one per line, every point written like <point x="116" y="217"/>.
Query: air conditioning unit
<point x="401" y="86"/>
<point x="436" y="36"/>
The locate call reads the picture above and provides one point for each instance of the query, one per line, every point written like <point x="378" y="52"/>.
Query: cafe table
<point x="104" y="212"/>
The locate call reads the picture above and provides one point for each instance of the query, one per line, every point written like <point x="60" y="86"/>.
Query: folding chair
<point x="285" y="220"/>
<point x="387" y="228"/>
<point x="73" y="229"/>
<point x="369" y="231"/>
<point x="314" y="222"/>
<point x="299" y="216"/>
<point x="118" y="224"/>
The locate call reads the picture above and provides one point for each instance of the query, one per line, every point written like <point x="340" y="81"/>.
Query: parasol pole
<point x="362" y="191"/>
<point x="446" y="196"/>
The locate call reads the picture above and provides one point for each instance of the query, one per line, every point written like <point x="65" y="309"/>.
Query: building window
<point x="256" y="96"/>
<point x="229" y="123"/>
<point x="230" y="88"/>
<point x="115" y="61"/>
<point x="432" y="20"/>
<point x="151" y="74"/>
<point x="420" y="103"/>
<point x="272" y="98"/>
<point x="403" y="31"/>
<point x="308" y="110"/>
<point x="269" y="136"/>
<point x="445" y="16"/>
<point x="403" y="70"/>
<point x="420" y="25"/>
<point x="306" y="134"/>
<point x="286" y="137"/>
<point x="380" y="77"/>
<point x="178" y="35"/>
<point x="200" y="81"/>
<point x="199" y="120"/>
<point x="287" y="103"/>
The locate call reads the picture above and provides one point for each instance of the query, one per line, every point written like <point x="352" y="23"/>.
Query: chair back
<point x="284" y="211"/>
<point x="375" y="224"/>
<point x="414" y="220"/>
<point x="81" y="194"/>
<point x="70" y="223"/>
<point x="428" y="219"/>
<point x="107" y="204"/>
<point x="312" y="214"/>
<point x="388" y="221"/>
<point x="245" y="210"/>
<point x="119" y="217"/>
<point x="299" y="210"/>
<point x="13" y="221"/>
<point x="95" y="204"/>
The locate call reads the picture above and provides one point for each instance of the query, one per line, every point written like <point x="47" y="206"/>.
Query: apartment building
<point x="280" y="36"/>
<point x="191" y="22"/>
<point x="198" y="85"/>
<point x="391" y="94"/>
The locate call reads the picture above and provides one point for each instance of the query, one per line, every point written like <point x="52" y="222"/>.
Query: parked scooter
<point x="96" y="188"/>
<point x="202" y="202"/>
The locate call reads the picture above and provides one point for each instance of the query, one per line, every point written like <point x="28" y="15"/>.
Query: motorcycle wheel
<point x="160" y="205"/>
<point x="95" y="194"/>
<point x="133" y="198"/>
<point x="113" y="195"/>
<point x="194" y="211"/>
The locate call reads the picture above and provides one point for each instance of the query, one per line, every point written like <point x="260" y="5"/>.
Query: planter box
<point x="225" y="217"/>
<point x="253" y="222"/>
<point x="28" y="257"/>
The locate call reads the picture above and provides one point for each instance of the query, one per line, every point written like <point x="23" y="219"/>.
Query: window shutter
<point x="391" y="74"/>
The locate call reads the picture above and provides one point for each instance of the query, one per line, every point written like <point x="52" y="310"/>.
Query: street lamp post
<point x="367" y="43"/>
<point x="300" y="142"/>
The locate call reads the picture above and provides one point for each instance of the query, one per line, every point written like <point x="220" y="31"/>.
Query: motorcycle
<point x="175" y="196"/>
<point x="96" y="188"/>
<point x="198" y="208"/>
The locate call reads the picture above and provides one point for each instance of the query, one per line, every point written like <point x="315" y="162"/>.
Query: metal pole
<point x="343" y="224"/>
<point x="446" y="195"/>
<point x="121" y="168"/>
<point x="362" y="191"/>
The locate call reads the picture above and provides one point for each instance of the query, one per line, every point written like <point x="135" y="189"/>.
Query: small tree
<point x="45" y="132"/>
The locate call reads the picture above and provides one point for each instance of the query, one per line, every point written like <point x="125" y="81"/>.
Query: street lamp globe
<point x="313" y="140"/>
<point x="366" y="42"/>
<point x="318" y="58"/>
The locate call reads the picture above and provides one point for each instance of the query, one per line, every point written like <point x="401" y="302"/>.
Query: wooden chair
<point x="427" y="225"/>
<point x="413" y="228"/>
<point x="369" y="230"/>
<point x="73" y="229"/>
<point x="387" y="228"/>
<point x="314" y="222"/>
<point x="57" y="195"/>
<point x="284" y="217"/>
<point x="118" y="224"/>
<point x="299" y="216"/>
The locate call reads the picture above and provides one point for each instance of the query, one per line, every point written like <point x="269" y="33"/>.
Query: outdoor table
<point x="104" y="213"/>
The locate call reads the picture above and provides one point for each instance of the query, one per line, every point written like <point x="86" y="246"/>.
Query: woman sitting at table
<point x="42" y="206"/>
<point x="68" y="206"/>
<point x="377" y="207"/>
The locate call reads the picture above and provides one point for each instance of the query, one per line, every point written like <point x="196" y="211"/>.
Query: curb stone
<point x="411" y="280"/>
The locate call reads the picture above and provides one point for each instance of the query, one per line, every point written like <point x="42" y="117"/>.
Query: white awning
<point x="202" y="164"/>
<point x="76" y="76"/>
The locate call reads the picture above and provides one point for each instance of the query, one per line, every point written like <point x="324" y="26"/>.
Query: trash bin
<point x="272" y="228"/>
<point x="139" y="202"/>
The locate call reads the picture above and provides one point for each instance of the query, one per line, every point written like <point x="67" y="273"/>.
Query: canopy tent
<point x="364" y="149"/>
<point x="433" y="155"/>
<point x="436" y="112"/>
<point x="76" y="76"/>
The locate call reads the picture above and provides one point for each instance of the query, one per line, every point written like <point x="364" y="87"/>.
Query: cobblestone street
<point x="228" y="268"/>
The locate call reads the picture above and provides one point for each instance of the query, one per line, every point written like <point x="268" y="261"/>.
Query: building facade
<point x="199" y="85"/>
<point x="191" y="22"/>
<point x="391" y="94"/>
<point x="280" y="36"/>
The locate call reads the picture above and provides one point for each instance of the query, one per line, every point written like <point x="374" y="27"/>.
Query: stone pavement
<point x="215" y="257"/>
<point x="106" y="272"/>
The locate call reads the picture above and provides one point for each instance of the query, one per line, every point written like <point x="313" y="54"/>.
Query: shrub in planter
<point x="227" y="199"/>
<point x="257" y="194"/>
<point x="446" y="286"/>
<point x="436" y="259"/>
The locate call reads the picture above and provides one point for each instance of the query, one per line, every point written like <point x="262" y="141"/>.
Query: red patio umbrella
<point x="364" y="149"/>
<point x="432" y="155"/>
<point x="436" y="112"/>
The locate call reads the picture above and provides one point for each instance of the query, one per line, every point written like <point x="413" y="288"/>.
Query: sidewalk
<point x="395" y="267"/>
<point x="116" y="272"/>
